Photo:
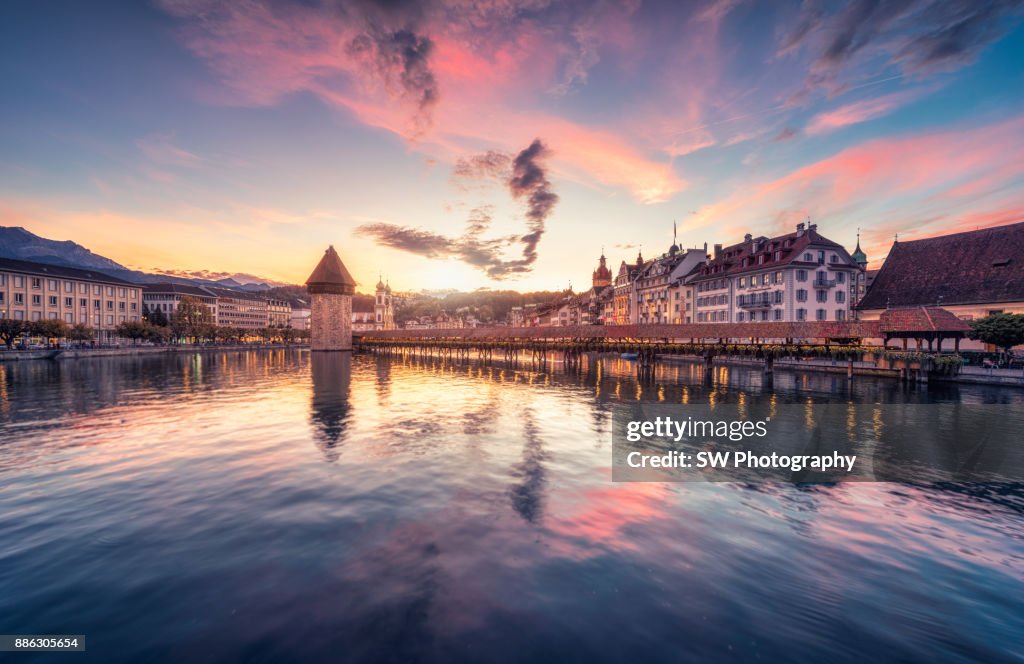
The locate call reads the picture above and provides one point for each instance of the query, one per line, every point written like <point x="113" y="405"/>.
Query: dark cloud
<point x="956" y="33"/>
<point x="401" y="59"/>
<point x="919" y="36"/>
<point x="529" y="180"/>
<point x="785" y="135"/>
<point x="526" y="179"/>
<point x="491" y="164"/>
<point x="413" y="240"/>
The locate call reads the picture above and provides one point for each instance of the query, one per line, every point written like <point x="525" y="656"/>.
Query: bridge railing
<point x="824" y="331"/>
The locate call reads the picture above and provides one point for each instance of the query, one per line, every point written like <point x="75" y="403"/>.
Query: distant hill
<point x="21" y="244"/>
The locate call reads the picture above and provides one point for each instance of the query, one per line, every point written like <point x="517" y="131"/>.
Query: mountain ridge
<point x="19" y="243"/>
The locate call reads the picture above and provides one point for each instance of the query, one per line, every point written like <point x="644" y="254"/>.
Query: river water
<point x="278" y="506"/>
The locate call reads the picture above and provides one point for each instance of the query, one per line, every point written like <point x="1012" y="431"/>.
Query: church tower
<point x="383" y="307"/>
<point x="602" y="275"/>
<point x="858" y="255"/>
<point x="330" y="290"/>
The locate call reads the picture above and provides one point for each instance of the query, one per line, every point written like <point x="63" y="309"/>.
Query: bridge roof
<point x="766" y="330"/>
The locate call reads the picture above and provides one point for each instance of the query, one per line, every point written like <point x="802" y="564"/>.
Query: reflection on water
<point x="282" y="506"/>
<point x="332" y="374"/>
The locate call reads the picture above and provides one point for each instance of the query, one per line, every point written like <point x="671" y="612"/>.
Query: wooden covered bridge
<point x="848" y="340"/>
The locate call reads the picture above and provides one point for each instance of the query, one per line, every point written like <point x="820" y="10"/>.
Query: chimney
<point x="747" y="237"/>
<point x="800" y="229"/>
<point x="812" y="227"/>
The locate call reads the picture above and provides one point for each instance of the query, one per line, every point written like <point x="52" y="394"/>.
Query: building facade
<point x="624" y="292"/>
<point x="228" y="307"/>
<point x="279" y="313"/>
<point x="36" y="291"/>
<point x="658" y="290"/>
<point x="800" y="276"/>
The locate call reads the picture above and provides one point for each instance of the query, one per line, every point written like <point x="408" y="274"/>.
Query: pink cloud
<point x="858" y="112"/>
<point x="938" y="180"/>
<point x="479" y="58"/>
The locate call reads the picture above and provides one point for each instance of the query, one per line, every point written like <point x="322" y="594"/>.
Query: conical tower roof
<point x="330" y="275"/>
<point x="859" y="256"/>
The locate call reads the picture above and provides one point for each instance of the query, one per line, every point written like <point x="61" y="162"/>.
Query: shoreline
<point x="87" y="353"/>
<point x="974" y="375"/>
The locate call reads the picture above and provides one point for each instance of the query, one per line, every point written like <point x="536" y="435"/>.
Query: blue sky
<point x="190" y="135"/>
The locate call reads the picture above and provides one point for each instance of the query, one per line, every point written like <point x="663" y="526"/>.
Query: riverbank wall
<point x="970" y="375"/>
<point x="91" y="353"/>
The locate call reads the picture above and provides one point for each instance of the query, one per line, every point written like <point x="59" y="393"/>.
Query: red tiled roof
<point x="921" y="319"/>
<point x="791" y="246"/>
<point x="330" y="271"/>
<point x="963" y="268"/>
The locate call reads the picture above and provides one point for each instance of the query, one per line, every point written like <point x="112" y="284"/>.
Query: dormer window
<point x="778" y="255"/>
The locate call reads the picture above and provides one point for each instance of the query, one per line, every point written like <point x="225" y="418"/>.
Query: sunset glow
<point x="245" y="137"/>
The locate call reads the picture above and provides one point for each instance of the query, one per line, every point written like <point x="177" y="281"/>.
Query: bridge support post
<point x="709" y="368"/>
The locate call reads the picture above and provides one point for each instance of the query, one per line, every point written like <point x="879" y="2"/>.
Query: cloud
<point x="491" y="164"/>
<point x="401" y="59"/>
<point x="930" y="182"/>
<point x="918" y="36"/>
<point x="526" y="180"/>
<point x="439" y="71"/>
<point x="160" y="149"/>
<point x="857" y="112"/>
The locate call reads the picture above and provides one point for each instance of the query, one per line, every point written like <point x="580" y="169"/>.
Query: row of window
<point x="95" y="320"/>
<point x="821" y="296"/>
<point x="36" y="283"/>
<point x="770" y="278"/>
<point x="774" y="314"/>
<point x="712" y="300"/>
<point x="53" y="301"/>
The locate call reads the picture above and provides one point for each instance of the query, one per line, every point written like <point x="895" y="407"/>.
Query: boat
<point x="629" y="356"/>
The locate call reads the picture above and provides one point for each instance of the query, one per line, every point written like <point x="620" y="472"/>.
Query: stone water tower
<point x="330" y="293"/>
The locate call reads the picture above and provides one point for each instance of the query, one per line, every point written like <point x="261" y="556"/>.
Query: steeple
<point x="858" y="255"/>
<point x="602" y="275"/>
<point x="640" y="256"/>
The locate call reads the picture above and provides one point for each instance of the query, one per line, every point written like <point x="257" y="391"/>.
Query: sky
<point x="501" y="144"/>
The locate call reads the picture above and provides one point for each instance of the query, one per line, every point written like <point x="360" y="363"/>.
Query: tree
<point x="50" y="328"/>
<point x="1001" y="330"/>
<point x="81" y="332"/>
<point x="10" y="330"/>
<point x="157" y="334"/>
<point x="191" y="319"/>
<point x="133" y="329"/>
<point x="154" y="316"/>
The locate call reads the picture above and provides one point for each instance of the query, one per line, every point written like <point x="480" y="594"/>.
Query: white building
<point x="796" y="277"/>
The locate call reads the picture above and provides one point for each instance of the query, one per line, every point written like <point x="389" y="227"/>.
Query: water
<point x="260" y="506"/>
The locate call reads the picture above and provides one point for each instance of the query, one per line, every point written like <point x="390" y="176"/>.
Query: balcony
<point x="824" y="283"/>
<point x="754" y="302"/>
